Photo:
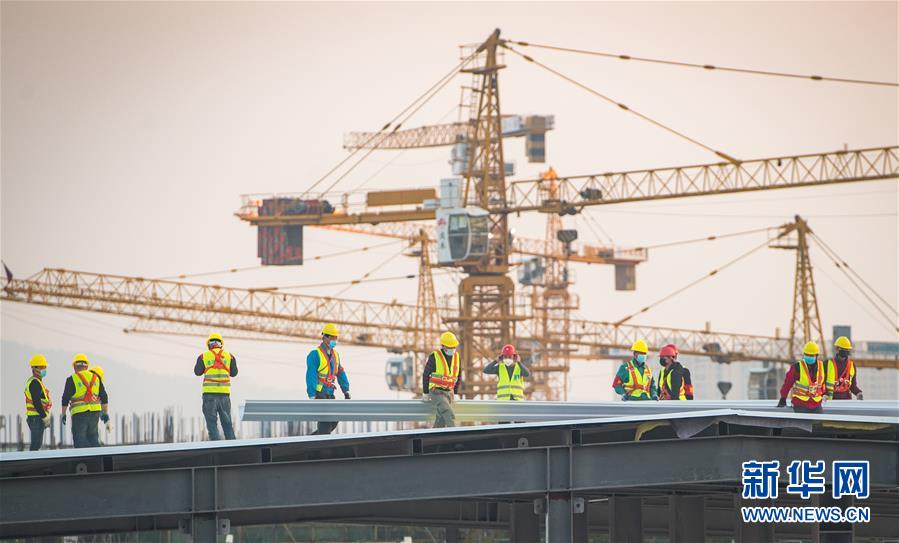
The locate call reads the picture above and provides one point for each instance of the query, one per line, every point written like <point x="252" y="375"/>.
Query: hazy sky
<point x="129" y="131"/>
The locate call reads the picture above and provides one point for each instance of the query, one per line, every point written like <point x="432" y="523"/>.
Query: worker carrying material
<point x="841" y="372"/>
<point x="89" y="403"/>
<point x="37" y="401"/>
<point x="511" y="371"/>
<point x="634" y="380"/>
<point x="441" y="379"/>
<point x="807" y="382"/>
<point x="324" y="372"/>
<point x="675" y="382"/>
<point x="98" y="371"/>
<point x="218" y="367"/>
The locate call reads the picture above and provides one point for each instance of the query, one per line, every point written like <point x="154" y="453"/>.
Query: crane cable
<point x="843" y="264"/>
<point x="709" y="67"/>
<point x="624" y="107"/>
<point x="707" y="238"/>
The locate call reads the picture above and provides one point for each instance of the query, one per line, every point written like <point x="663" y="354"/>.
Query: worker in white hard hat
<point x="441" y="379"/>
<point x="324" y="373"/>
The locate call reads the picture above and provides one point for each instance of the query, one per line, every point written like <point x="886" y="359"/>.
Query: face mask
<point x="508" y="361"/>
<point x="843" y="355"/>
<point x="809" y="359"/>
<point x="43" y="373"/>
<point x="449" y="352"/>
<point x="332" y="343"/>
<point x="663" y="362"/>
<point x="641" y="358"/>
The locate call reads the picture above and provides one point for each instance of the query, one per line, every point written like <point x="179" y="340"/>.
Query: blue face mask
<point x="332" y="343"/>
<point x="810" y="359"/>
<point x="43" y="373"/>
<point x="641" y="358"/>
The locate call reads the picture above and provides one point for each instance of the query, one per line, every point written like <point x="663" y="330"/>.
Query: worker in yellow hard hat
<point x="633" y="380"/>
<point x="441" y="379"/>
<point x="841" y="372"/>
<point x="807" y="382"/>
<point x="37" y="401"/>
<point x="324" y="373"/>
<point x="218" y="367"/>
<point x="85" y="396"/>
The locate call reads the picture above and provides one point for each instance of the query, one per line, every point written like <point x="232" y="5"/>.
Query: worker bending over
<point x="37" y="401"/>
<point x="634" y="381"/>
<point x="441" y="379"/>
<point x="841" y="372"/>
<point x="511" y="371"/>
<point x="324" y="372"/>
<point x="806" y="381"/>
<point x="674" y="380"/>
<point x="89" y="403"/>
<point x="217" y="366"/>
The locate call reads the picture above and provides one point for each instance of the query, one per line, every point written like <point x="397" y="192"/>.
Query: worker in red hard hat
<point x="511" y="371"/>
<point x="674" y="380"/>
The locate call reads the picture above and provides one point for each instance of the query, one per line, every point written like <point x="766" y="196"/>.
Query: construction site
<point x="486" y="248"/>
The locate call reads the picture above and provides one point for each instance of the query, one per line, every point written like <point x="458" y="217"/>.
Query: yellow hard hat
<point x="639" y="346"/>
<point x="99" y="371"/>
<point x="82" y="358"/>
<point x="330" y="329"/>
<point x="448" y="339"/>
<point x="811" y="348"/>
<point x="38" y="361"/>
<point x="215" y="336"/>
<point x="843" y="343"/>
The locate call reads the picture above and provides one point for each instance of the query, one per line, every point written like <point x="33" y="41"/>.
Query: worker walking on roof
<point x="85" y="396"/>
<point x="37" y="401"/>
<point x="807" y="382"/>
<point x="441" y="379"/>
<point x="675" y="382"/>
<point x="324" y="372"/>
<point x="218" y="367"/>
<point x="511" y="371"/>
<point x="841" y="372"/>
<point x="634" y="380"/>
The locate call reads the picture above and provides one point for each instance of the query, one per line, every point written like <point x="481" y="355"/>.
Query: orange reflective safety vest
<point x="445" y="374"/>
<point x="842" y="382"/>
<point x="807" y="390"/>
<point x="87" y="392"/>
<point x="29" y="401"/>
<point x="217" y="372"/>
<point x="327" y="372"/>
<point x="638" y="385"/>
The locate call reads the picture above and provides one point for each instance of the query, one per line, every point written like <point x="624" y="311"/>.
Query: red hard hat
<point x="508" y="350"/>
<point x="669" y="350"/>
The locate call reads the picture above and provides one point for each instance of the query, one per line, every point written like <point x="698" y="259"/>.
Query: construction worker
<point x="218" y="367"/>
<point x="441" y="379"/>
<point x="634" y="380"/>
<point x="806" y="381"/>
<point x="324" y="372"/>
<point x="98" y="370"/>
<point x="37" y="401"/>
<point x="674" y="380"/>
<point x="89" y="403"/>
<point x="841" y="372"/>
<point x="511" y="371"/>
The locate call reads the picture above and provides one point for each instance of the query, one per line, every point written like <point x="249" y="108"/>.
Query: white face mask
<point x="449" y="352"/>
<point x="508" y="361"/>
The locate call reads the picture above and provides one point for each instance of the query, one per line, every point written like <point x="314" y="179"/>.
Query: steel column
<point x="559" y="517"/>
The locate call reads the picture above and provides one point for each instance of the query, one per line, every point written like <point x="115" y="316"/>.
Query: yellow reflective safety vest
<point x="638" y="385"/>
<point x="217" y="372"/>
<point x="327" y="373"/>
<point x="445" y="374"/>
<point x="510" y="387"/>
<point x="804" y="388"/>
<point x="842" y="382"/>
<point x="87" y="392"/>
<point x="29" y="401"/>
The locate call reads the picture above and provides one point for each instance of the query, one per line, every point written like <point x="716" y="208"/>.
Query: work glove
<point x="108" y="426"/>
<point x="346" y="395"/>
<point x="859" y="396"/>
<point x="782" y="402"/>
<point x="624" y="397"/>
<point x="63" y="419"/>
<point x="46" y="420"/>
<point x="104" y="417"/>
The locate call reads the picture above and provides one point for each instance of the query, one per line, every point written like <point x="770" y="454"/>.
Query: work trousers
<point x="443" y="405"/>
<point x="324" y="427"/>
<point x="801" y="409"/>
<point x="36" y="425"/>
<point x="218" y="406"/>
<point x="85" y="431"/>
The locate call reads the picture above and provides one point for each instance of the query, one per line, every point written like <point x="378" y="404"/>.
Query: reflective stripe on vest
<point x="665" y="386"/>
<point x="510" y="388"/>
<point x="327" y="373"/>
<point x="443" y="375"/>
<point x="804" y="389"/>
<point x="842" y="382"/>
<point x="87" y="393"/>
<point x="217" y="372"/>
<point x="29" y="401"/>
<point x="637" y="385"/>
